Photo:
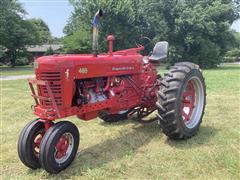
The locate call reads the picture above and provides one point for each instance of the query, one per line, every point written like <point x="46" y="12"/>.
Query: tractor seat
<point x="160" y="51"/>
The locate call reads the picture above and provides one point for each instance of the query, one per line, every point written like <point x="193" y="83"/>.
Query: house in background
<point x="40" y="50"/>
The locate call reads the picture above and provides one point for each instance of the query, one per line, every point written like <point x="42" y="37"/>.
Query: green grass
<point x="128" y="150"/>
<point x="20" y="70"/>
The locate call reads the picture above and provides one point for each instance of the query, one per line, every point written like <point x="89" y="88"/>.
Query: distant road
<point x="231" y="63"/>
<point x="8" y="78"/>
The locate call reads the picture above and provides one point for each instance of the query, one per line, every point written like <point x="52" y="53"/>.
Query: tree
<point x="56" y="40"/>
<point x="79" y="42"/>
<point x="49" y="51"/>
<point x="125" y="19"/>
<point x="42" y="29"/>
<point x="234" y="53"/>
<point x="197" y="30"/>
<point x="1" y="52"/>
<point x="15" y="32"/>
<point x="237" y="38"/>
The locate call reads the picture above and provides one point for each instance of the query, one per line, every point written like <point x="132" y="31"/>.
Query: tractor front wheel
<point x="29" y="143"/>
<point x="59" y="146"/>
<point x="181" y="100"/>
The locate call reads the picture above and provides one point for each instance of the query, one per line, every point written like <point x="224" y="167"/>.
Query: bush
<point x="232" y="55"/>
<point x="229" y="59"/>
<point x="49" y="51"/>
<point x="21" y="61"/>
<point x="1" y="51"/>
<point x="79" y="42"/>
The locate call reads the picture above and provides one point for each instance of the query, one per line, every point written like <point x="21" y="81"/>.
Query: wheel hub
<point x="36" y="143"/>
<point x="192" y="102"/>
<point x="188" y="101"/>
<point x="64" y="147"/>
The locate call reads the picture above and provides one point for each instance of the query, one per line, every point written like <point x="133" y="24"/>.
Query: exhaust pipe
<point x="95" y="24"/>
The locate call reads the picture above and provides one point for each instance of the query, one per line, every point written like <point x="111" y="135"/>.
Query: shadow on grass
<point x="119" y="123"/>
<point x="124" y="146"/>
<point x="204" y="135"/>
<point x="113" y="149"/>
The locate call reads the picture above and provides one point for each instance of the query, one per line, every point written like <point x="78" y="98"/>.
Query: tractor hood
<point x="85" y="66"/>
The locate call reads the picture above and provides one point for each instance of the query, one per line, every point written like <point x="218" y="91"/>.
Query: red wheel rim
<point x="64" y="147"/>
<point x="188" y="102"/>
<point x="37" y="141"/>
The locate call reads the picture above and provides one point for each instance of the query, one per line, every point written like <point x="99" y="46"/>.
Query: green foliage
<point x="237" y="39"/>
<point x="1" y="51"/>
<point x="125" y="19"/>
<point x="42" y="30"/>
<point x="56" y="40"/>
<point x="197" y="30"/>
<point x="78" y="42"/>
<point x="16" y="32"/>
<point x="233" y="55"/>
<point x="21" y="61"/>
<point x="49" y="51"/>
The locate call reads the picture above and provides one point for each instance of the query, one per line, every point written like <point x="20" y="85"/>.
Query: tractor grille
<point x="54" y="78"/>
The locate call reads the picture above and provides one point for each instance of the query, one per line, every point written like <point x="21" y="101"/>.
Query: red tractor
<point x="112" y="86"/>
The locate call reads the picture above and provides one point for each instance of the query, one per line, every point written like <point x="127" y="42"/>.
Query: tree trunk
<point x="13" y="58"/>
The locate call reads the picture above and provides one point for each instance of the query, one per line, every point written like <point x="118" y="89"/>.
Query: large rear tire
<point x="181" y="100"/>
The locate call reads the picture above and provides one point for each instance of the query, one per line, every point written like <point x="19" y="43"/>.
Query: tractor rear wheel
<point x="29" y="143"/>
<point x="181" y="100"/>
<point x="111" y="118"/>
<point x="59" y="147"/>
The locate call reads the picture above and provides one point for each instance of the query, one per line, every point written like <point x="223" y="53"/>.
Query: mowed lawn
<point x="20" y="70"/>
<point x="129" y="150"/>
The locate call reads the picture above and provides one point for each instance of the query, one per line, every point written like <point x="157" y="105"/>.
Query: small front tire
<point x="29" y="142"/>
<point x="59" y="147"/>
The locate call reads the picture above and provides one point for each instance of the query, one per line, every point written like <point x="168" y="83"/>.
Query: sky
<point x="236" y="25"/>
<point x="56" y="13"/>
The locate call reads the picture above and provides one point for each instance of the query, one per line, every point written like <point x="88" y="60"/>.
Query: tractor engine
<point x="89" y="91"/>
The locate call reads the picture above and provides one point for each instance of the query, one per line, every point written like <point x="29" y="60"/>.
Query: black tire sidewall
<point x="25" y="144"/>
<point x="193" y="73"/>
<point x="49" y="142"/>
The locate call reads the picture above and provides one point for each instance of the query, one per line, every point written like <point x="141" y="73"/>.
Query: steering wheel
<point x="144" y="41"/>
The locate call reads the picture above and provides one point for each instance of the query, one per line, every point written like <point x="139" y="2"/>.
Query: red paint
<point x="188" y="100"/>
<point x="110" y="39"/>
<point x="120" y="81"/>
<point x="61" y="147"/>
